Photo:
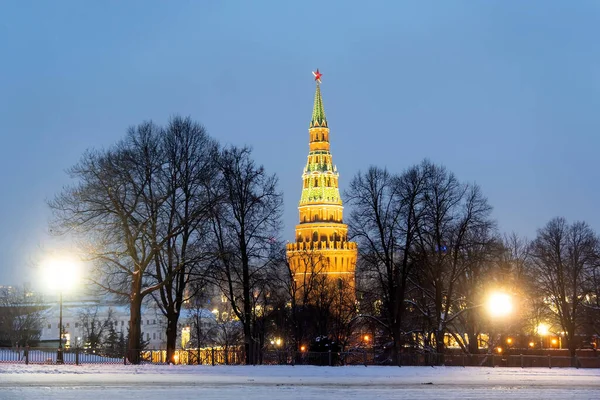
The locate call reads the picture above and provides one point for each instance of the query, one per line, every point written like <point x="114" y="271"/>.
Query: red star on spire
<point x="317" y="75"/>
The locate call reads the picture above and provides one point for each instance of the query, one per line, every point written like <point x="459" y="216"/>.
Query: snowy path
<point x="300" y="382"/>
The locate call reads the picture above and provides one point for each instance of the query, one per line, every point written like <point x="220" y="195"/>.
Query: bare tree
<point x="246" y="224"/>
<point x="385" y="213"/>
<point x="189" y="169"/>
<point x="94" y="327"/>
<point x="301" y="284"/>
<point x="115" y="209"/>
<point x="564" y="258"/>
<point x="516" y="279"/>
<point x="21" y="317"/>
<point x="482" y="273"/>
<point x="454" y="221"/>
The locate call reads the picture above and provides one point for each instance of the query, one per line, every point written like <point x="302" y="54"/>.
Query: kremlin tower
<point x="321" y="246"/>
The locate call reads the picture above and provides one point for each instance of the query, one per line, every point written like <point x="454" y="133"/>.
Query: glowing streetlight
<point x="302" y="348"/>
<point x="543" y="329"/>
<point x="366" y="338"/>
<point x="60" y="274"/>
<point x="499" y="304"/>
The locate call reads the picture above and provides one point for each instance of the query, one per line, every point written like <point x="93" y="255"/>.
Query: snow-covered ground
<point x="300" y="382"/>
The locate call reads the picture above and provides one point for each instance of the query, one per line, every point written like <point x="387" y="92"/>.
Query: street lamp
<point x="60" y="274"/>
<point x="542" y="330"/>
<point x="499" y="305"/>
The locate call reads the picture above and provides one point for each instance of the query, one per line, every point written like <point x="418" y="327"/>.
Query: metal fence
<point x="220" y="356"/>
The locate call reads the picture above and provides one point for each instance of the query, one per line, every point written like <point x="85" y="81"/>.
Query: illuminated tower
<point x="321" y="245"/>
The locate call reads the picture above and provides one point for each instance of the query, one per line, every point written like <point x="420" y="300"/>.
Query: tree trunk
<point x="396" y="348"/>
<point x="439" y="346"/>
<point x="571" y="343"/>
<point x="473" y="345"/>
<point x="248" y="342"/>
<point x="171" y="336"/>
<point x="135" y="330"/>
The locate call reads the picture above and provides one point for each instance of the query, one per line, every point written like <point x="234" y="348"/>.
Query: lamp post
<point x="59" y="354"/>
<point x="542" y="330"/>
<point x="60" y="274"/>
<point x="499" y="306"/>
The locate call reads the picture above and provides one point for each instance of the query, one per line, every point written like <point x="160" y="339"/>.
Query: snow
<point x="151" y="382"/>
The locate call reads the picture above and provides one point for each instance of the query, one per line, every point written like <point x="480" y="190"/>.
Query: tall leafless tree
<point x="385" y="212"/>
<point x="455" y="219"/>
<point x="482" y="274"/>
<point x="246" y="224"/>
<point x="117" y="210"/>
<point x="564" y="258"/>
<point x="189" y="169"/>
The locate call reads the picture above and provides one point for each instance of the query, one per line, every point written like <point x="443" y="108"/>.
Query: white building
<point x="77" y="314"/>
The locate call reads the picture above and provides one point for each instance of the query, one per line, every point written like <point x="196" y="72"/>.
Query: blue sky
<point x="503" y="93"/>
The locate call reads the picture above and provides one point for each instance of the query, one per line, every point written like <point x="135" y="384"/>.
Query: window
<point x="153" y="322"/>
<point x="68" y="325"/>
<point x="76" y="324"/>
<point x="154" y="336"/>
<point x="49" y="326"/>
<point x="147" y="336"/>
<point x="147" y="322"/>
<point x="122" y="323"/>
<point x="160" y="335"/>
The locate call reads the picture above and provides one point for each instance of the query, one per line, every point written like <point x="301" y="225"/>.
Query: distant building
<point x="79" y="315"/>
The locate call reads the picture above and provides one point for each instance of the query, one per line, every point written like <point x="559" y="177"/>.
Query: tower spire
<point x="318" y="115"/>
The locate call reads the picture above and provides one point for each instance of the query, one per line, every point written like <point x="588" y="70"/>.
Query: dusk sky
<point x="503" y="93"/>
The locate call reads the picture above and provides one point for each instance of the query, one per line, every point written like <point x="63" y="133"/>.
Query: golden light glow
<point x="542" y="329"/>
<point x="278" y="341"/>
<point x="61" y="273"/>
<point x="185" y="336"/>
<point x="302" y="348"/>
<point x="531" y="344"/>
<point x="366" y="337"/>
<point x="67" y="339"/>
<point x="499" y="304"/>
<point x="499" y="349"/>
<point x="554" y="341"/>
<point x="509" y="341"/>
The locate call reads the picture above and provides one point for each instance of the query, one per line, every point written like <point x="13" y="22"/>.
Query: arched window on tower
<point x="315" y="236"/>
